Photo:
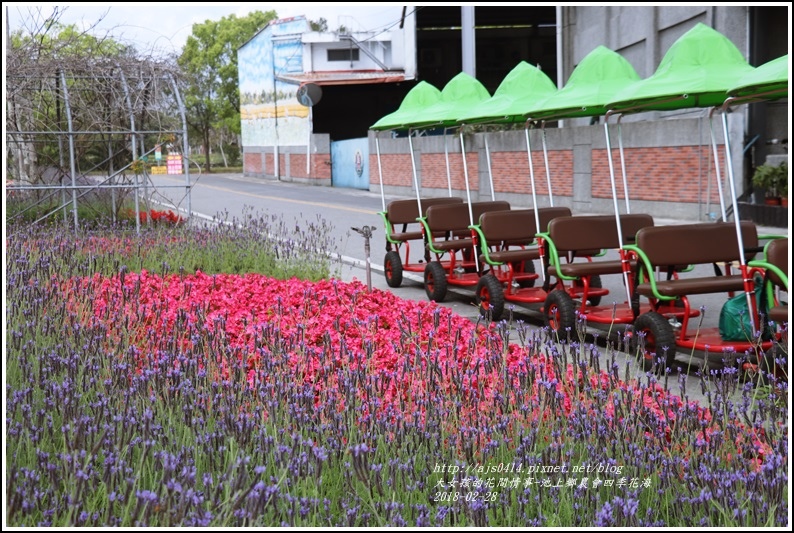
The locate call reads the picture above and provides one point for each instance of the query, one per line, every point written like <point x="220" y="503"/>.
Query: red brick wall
<point x="321" y="166"/>
<point x="252" y="162"/>
<point x="434" y="171"/>
<point x="297" y="166"/>
<point x="396" y="169"/>
<point x="269" y="168"/>
<point x="658" y="174"/>
<point x="511" y="172"/>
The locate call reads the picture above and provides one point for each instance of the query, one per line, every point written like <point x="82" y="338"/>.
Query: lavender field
<point x="217" y="377"/>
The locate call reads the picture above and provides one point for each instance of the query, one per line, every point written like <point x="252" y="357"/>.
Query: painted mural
<point x="269" y="109"/>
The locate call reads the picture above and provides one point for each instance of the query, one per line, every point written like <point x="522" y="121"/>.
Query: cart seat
<point x="504" y="231"/>
<point x="581" y="236"/>
<point x="693" y="244"/>
<point x="453" y="221"/>
<point x="406" y="212"/>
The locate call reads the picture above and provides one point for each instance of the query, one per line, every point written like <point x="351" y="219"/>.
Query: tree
<point x="209" y="62"/>
<point x="320" y="25"/>
<point x="37" y="56"/>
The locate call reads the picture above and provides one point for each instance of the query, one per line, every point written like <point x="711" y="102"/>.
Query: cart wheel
<point x="435" y="281"/>
<point x="490" y="297"/>
<point x="559" y="313"/>
<point x="393" y="269"/>
<point x="653" y="337"/>
<point x="529" y="268"/>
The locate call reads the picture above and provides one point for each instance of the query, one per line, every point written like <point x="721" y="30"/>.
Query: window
<point x="346" y="54"/>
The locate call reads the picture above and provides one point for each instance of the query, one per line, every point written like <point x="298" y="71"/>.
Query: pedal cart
<point x="723" y="245"/>
<point x="406" y="213"/>
<point x="462" y="268"/>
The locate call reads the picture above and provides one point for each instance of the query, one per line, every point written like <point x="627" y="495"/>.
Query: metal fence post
<point x="366" y="231"/>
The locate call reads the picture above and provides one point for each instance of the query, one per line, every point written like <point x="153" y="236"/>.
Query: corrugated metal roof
<point x="344" y="77"/>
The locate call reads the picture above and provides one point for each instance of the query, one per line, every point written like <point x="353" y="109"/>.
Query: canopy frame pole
<point x="532" y="184"/>
<point x="718" y="177"/>
<point x="623" y="166"/>
<point x="626" y="267"/>
<point x="749" y="289"/>
<point x="413" y="166"/>
<point x="490" y="170"/>
<point x="380" y="172"/>
<point x="446" y="155"/>
<point x="468" y="196"/>
<point x="546" y="161"/>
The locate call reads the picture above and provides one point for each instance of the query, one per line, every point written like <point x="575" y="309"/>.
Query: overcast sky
<point x="166" y="26"/>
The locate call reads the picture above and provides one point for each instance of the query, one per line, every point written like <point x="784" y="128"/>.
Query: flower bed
<point x="242" y="400"/>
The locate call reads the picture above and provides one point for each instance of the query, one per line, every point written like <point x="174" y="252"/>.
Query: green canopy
<point x="696" y="71"/>
<point x="422" y="96"/>
<point x="457" y="97"/>
<point x="519" y="90"/>
<point x="593" y="83"/>
<point x="769" y="80"/>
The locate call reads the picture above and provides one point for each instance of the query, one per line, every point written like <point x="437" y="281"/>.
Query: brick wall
<point x="396" y="169"/>
<point x="434" y="171"/>
<point x="511" y="172"/>
<point x="269" y="166"/>
<point x="320" y="166"/>
<point x="671" y="173"/>
<point x="252" y="163"/>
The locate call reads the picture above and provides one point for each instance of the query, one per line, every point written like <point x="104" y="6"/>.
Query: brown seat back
<point x="407" y="211"/>
<point x="546" y="214"/>
<point x="456" y="216"/>
<point x="695" y="244"/>
<point x="517" y="225"/>
<point x="594" y="232"/>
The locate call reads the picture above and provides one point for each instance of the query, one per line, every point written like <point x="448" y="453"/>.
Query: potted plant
<point x="774" y="180"/>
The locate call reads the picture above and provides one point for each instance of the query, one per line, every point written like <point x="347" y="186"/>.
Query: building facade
<point x="670" y="164"/>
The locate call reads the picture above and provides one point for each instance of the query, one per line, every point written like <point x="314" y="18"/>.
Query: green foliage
<point x="36" y="59"/>
<point x="320" y="24"/>
<point x="53" y="207"/>
<point x="65" y="41"/>
<point x="209" y="59"/>
<point x="772" y="178"/>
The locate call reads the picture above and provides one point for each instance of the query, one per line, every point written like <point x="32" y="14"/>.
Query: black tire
<point x="653" y="337"/>
<point x="393" y="269"/>
<point x="490" y="297"/>
<point x="559" y="313"/>
<point x="529" y="268"/>
<point x="435" y="281"/>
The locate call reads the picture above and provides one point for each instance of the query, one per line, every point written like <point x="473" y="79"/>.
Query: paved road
<point x="233" y="194"/>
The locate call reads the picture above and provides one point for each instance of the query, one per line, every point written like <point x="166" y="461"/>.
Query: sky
<point x="165" y="27"/>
